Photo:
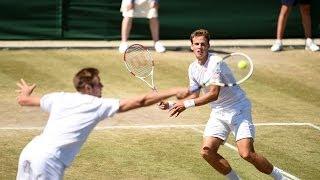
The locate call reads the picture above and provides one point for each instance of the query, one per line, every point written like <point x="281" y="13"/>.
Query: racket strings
<point x="234" y="73"/>
<point x="139" y="61"/>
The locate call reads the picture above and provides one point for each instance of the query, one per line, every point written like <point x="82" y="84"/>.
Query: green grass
<point x="284" y="88"/>
<point x="171" y="154"/>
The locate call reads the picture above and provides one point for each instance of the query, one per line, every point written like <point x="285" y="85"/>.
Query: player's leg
<point x="209" y="152"/>
<point x="247" y="152"/>
<point x="46" y="166"/>
<point x="244" y="131"/>
<point x="24" y="169"/>
<point x="215" y="133"/>
<point x="39" y="166"/>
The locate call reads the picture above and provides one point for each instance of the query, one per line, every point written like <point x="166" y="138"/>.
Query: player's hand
<point x="25" y="89"/>
<point x="177" y="109"/>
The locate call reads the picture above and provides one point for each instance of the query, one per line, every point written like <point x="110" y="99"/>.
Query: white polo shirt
<point x="72" y="117"/>
<point x="229" y="97"/>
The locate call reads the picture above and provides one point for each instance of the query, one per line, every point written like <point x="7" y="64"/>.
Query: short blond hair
<point x="200" y="32"/>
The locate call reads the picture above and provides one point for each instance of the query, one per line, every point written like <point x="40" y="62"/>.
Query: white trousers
<point x="35" y="165"/>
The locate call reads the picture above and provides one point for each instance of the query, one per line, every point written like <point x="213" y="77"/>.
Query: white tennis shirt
<point x="229" y="97"/>
<point x="72" y="117"/>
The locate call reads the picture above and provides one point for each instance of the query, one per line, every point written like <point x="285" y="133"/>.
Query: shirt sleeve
<point x="47" y="101"/>
<point x="215" y="74"/>
<point x="109" y="107"/>
<point x="193" y="84"/>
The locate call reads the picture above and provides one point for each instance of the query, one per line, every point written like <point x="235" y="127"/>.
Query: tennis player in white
<point x="72" y="118"/>
<point x="231" y="111"/>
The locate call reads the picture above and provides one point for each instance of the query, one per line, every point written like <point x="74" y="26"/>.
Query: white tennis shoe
<point x="159" y="47"/>
<point x="311" y="46"/>
<point x="277" y="46"/>
<point x="123" y="47"/>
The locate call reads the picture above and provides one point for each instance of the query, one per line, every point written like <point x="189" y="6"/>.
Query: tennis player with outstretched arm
<point x="72" y="118"/>
<point x="231" y="112"/>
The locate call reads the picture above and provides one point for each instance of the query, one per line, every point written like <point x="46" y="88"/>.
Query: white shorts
<point x="239" y="122"/>
<point x="141" y="9"/>
<point x="34" y="164"/>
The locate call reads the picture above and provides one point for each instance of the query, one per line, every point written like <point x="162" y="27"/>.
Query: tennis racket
<point x="231" y="70"/>
<point x="139" y="62"/>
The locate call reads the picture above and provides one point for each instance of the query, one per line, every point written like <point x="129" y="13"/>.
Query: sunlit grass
<point x="284" y="88"/>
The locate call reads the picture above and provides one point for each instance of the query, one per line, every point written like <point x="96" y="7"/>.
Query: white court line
<point x="235" y="149"/>
<point x="115" y="127"/>
<point x="22" y="128"/>
<point x="314" y="126"/>
<point x="164" y="126"/>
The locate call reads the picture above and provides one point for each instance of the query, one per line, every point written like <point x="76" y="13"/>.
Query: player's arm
<point x="149" y="99"/>
<point x="208" y="97"/>
<point x="211" y="95"/>
<point x="24" y="97"/>
<point x="182" y="96"/>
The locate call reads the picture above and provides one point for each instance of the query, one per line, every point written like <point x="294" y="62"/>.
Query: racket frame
<point x="147" y="52"/>
<point x="208" y="83"/>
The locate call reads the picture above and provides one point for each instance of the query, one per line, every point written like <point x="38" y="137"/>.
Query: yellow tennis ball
<point x="242" y="64"/>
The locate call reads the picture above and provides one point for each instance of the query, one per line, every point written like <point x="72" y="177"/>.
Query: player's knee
<point x="206" y="153"/>
<point x="246" y="155"/>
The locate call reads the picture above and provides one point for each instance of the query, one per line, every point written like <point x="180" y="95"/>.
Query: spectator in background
<point x="140" y="9"/>
<point x="285" y="10"/>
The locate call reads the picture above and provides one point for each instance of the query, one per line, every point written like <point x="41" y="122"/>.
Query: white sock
<point x="232" y="175"/>
<point x="276" y="173"/>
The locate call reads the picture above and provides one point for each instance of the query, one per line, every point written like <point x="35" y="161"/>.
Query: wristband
<point x="189" y="103"/>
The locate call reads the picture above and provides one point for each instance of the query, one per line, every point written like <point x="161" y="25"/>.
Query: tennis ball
<point x="242" y="64"/>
